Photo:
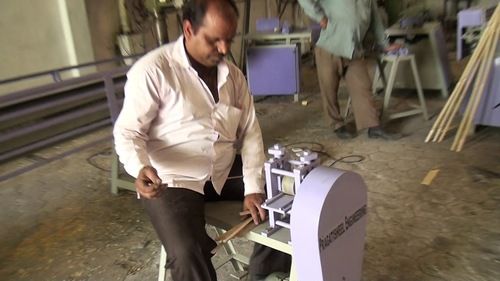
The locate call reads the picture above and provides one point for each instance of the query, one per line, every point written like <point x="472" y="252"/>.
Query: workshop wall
<point x="104" y="25"/>
<point x="42" y="35"/>
<point x="396" y="7"/>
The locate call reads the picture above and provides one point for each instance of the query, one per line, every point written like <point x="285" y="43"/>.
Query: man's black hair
<point x="194" y="11"/>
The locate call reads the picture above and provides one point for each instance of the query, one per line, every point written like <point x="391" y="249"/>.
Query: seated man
<point x="185" y="113"/>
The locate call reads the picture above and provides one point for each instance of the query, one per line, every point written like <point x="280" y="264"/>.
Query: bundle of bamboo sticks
<point x="478" y="70"/>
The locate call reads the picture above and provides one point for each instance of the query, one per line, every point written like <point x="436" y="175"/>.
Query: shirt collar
<point x="181" y="57"/>
<point x="179" y="53"/>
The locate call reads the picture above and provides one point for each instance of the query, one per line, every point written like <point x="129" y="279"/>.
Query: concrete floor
<point x="60" y="222"/>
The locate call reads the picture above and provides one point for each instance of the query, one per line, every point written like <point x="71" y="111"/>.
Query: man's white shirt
<point x="171" y="122"/>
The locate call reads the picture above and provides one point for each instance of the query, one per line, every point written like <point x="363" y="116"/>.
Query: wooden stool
<point x="395" y="60"/>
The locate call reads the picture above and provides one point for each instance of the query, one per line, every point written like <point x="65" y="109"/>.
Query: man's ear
<point x="187" y="29"/>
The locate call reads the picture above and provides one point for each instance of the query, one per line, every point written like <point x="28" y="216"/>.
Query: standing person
<point x="339" y="54"/>
<point x="186" y="111"/>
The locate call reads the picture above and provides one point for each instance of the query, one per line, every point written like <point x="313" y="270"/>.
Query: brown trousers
<point x="331" y="69"/>
<point x="178" y="217"/>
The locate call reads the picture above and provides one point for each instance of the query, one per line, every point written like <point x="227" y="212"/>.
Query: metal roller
<point x="288" y="185"/>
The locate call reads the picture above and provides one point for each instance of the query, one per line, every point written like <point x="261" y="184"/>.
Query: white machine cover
<point x="328" y="225"/>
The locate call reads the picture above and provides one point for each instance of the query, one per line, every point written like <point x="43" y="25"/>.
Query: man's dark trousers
<point x="178" y="217"/>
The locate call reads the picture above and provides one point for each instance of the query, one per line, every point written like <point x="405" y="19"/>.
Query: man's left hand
<point x="252" y="203"/>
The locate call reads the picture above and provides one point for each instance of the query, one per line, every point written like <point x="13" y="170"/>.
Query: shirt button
<point x="215" y="136"/>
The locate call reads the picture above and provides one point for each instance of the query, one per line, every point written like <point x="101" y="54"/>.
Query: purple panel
<point x="489" y="110"/>
<point x="273" y="70"/>
<point x="467" y="18"/>
<point x="267" y="25"/>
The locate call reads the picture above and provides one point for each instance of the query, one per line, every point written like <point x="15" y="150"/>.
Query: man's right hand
<point x="323" y="22"/>
<point x="148" y="184"/>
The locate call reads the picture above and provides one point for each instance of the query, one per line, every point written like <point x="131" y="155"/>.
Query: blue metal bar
<point x="47" y="114"/>
<point x="46" y="90"/>
<point x="56" y="72"/>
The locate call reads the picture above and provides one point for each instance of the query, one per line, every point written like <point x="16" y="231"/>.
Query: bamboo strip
<point x="449" y="108"/>
<point x="230" y="234"/>
<point x="475" y="63"/>
<point x="477" y="55"/>
<point x="470" y="103"/>
<point x="444" y="115"/>
<point x="489" y="65"/>
<point x="449" y="111"/>
<point x="479" y="83"/>
<point x="474" y="66"/>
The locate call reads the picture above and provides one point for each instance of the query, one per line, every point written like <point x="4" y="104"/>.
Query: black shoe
<point x="379" y="133"/>
<point x="343" y="134"/>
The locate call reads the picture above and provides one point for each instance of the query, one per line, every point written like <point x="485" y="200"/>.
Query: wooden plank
<point x="430" y="177"/>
